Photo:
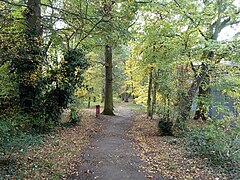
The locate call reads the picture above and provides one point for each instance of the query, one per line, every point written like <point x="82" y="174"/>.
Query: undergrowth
<point x="217" y="141"/>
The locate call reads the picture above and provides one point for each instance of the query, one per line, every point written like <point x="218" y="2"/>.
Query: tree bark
<point x="32" y="58"/>
<point x="154" y="100"/>
<point x="108" y="101"/>
<point x="186" y="101"/>
<point x="102" y="96"/>
<point x="103" y="91"/>
<point x="202" y="94"/>
<point x="33" y="18"/>
<point x="126" y="94"/>
<point x="132" y="85"/>
<point x="149" y="100"/>
<point x="214" y="29"/>
<point x="89" y="99"/>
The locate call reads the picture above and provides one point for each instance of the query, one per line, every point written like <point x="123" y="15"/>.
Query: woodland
<point x="175" y="61"/>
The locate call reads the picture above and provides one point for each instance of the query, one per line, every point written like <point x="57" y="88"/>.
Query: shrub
<point x="215" y="141"/>
<point x="8" y="95"/>
<point x="165" y="126"/>
<point x="59" y="96"/>
<point x="15" y="133"/>
<point x="55" y="101"/>
<point x="74" y="115"/>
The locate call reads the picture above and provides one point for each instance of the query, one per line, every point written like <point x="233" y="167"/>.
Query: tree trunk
<point x="33" y="18"/>
<point x="29" y="88"/>
<point x="126" y="97"/>
<point x="168" y="107"/>
<point x="154" y="101"/>
<point x="202" y="94"/>
<point x="108" y="101"/>
<point x="201" y="111"/>
<point x="122" y="96"/>
<point x="89" y="99"/>
<point x="133" y="97"/>
<point x="186" y="101"/>
<point x="126" y="94"/>
<point x="102" y="94"/>
<point x="149" y="100"/>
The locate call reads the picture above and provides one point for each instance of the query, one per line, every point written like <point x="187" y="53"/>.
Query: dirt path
<point x="110" y="155"/>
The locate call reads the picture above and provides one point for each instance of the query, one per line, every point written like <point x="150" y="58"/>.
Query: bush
<point x="60" y="95"/>
<point x="165" y="126"/>
<point x="8" y="95"/>
<point x="55" y="101"/>
<point x="216" y="142"/>
<point x="15" y="133"/>
<point x="74" y="116"/>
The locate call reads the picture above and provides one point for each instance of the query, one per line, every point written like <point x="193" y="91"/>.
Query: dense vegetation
<point x="170" y="56"/>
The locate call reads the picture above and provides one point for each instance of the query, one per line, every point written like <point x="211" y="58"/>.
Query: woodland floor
<point x="125" y="146"/>
<point x="166" y="154"/>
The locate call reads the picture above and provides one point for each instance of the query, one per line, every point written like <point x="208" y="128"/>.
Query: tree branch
<point x="192" y="20"/>
<point x="143" y="2"/>
<point x="193" y="68"/>
<point x="14" y="4"/>
<point x="62" y="10"/>
<point x="88" y="33"/>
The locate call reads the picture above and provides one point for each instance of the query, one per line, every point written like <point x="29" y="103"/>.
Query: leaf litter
<point x="57" y="156"/>
<point x="165" y="155"/>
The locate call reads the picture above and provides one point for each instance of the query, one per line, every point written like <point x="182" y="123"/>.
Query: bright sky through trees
<point x="229" y="32"/>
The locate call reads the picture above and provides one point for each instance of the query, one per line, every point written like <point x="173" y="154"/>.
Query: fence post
<point x="97" y="110"/>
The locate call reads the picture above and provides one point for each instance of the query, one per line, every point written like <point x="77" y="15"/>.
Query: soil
<point x="111" y="155"/>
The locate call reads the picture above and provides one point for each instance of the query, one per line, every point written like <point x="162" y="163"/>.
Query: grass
<point x="84" y="104"/>
<point x="136" y="107"/>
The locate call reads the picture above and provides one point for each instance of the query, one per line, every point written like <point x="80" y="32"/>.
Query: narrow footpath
<point x="110" y="155"/>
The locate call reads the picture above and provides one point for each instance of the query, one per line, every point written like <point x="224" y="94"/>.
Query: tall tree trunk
<point x="195" y="90"/>
<point x="28" y="87"/>
<point x="108" y="101"/>
<point x="133" y="97"/>
<point x="186" y="101"/>
<point x="154" y="100"/>
<point x="126" y="94"/>
<point x="89" y="99"/>
<point x="201" y="111"/>
<point x="168" y="107"/>
<point x="213" y="31"/>
<point x="122" y="96"/>
<point x="102" y="95"/>
<point x="202" y="95"/>
<point x="149" y="100"/>
<point x="103" y="87"/>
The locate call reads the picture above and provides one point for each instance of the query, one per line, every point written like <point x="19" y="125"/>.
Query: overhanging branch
<point x="88" y="33"/>
<point x="13" y="3"/>
<point x="192" y="20"/>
